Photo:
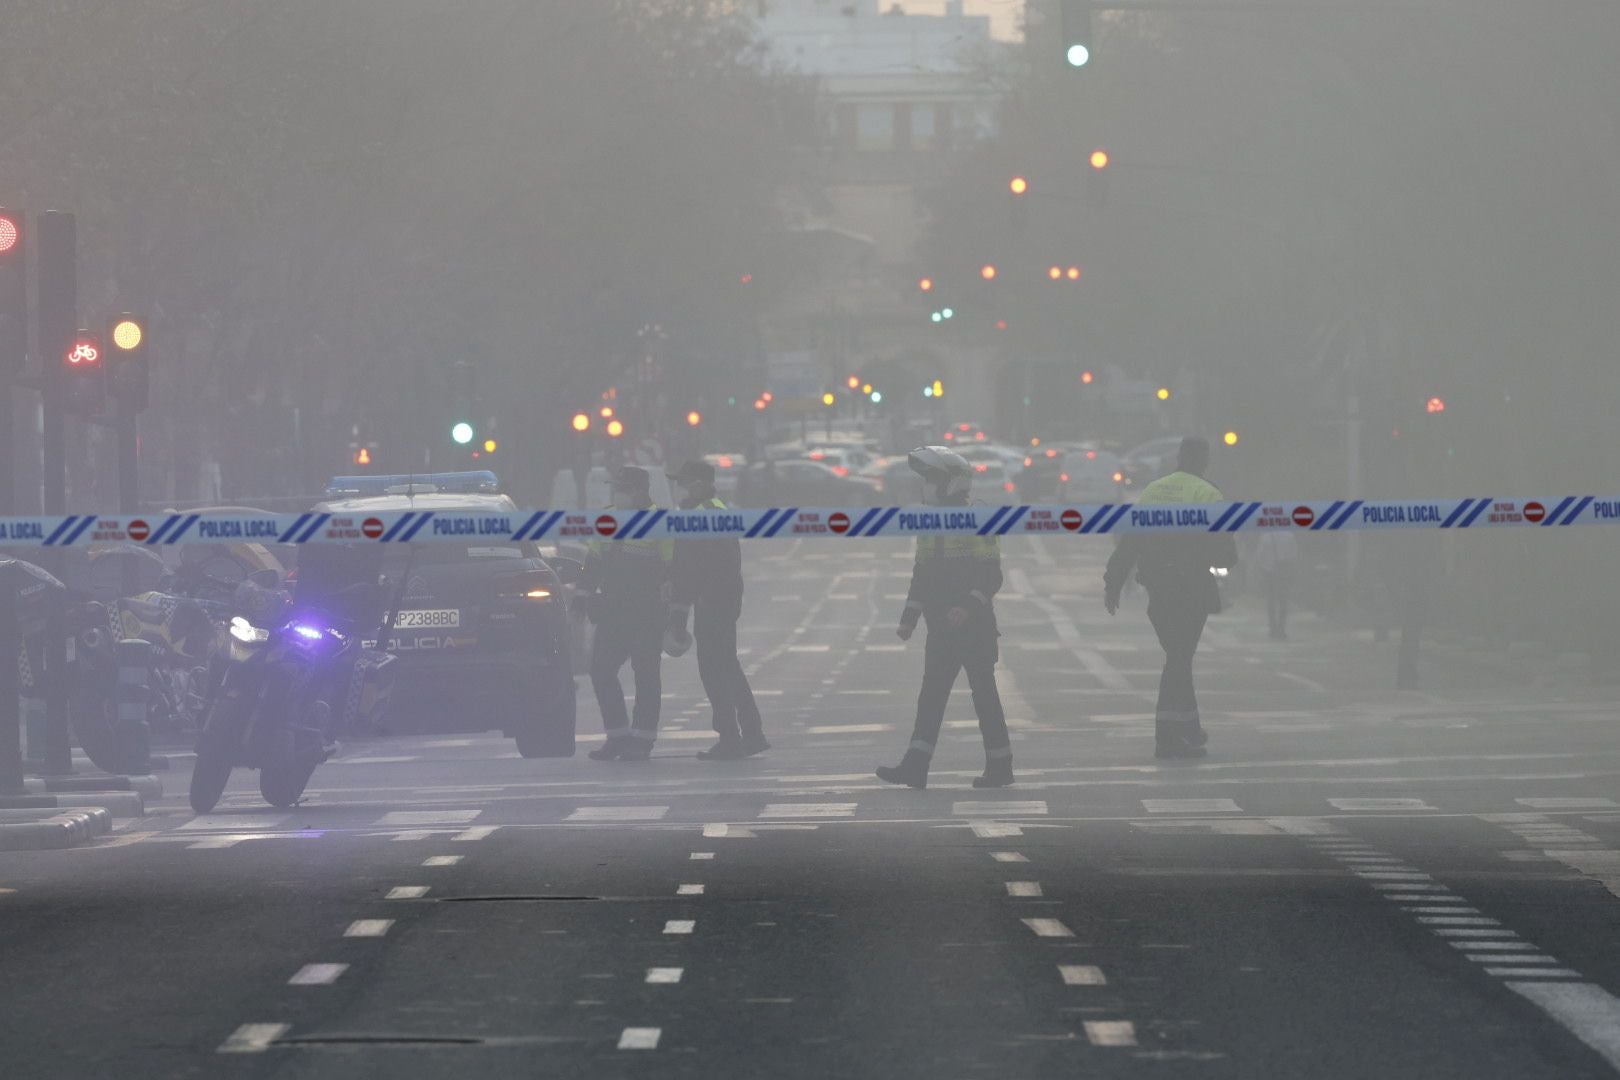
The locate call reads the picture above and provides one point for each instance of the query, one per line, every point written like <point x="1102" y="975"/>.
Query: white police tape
<point x="450" y="526"/>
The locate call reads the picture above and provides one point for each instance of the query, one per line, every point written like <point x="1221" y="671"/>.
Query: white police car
<point x="482" y="632"/>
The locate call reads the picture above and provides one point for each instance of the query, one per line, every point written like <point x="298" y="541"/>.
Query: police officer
<point x="625" y="587"/>
<point x="1176" y="570"/>
<point x="708" y="576"/>
<point x="953" y="581"/>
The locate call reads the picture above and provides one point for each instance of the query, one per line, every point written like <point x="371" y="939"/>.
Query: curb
<point x="117" y="803"/>
<point x="148" y="787"/>
<point x="41" y="830"/>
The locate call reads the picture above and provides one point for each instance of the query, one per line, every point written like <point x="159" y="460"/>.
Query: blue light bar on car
<point x="481" y="482"/>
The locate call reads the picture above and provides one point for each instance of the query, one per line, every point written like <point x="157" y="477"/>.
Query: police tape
<point x="451" y="526"/>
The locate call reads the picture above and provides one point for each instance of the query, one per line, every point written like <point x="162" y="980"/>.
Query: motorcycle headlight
<point x="246" y="632"/>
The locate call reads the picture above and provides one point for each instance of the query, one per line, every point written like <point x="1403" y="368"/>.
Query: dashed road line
<point x="1081" y="975"/>
<point x="640" y="1038"/>
<point x="680" y="926"/>
<point x="1111" y="1032"/>
<point x="253" y="1038"/>
<point x="1048" y="928"/>
<point x="665" y="976"/>
<point x="407" y="892"/>
<point x="317" y="974"/>
<point x="369" y="928"/>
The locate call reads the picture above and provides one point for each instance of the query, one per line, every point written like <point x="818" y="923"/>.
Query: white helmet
<point x="946" y="474"/>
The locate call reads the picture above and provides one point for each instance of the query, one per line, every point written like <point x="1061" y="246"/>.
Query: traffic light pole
<point x="58" y="318"/>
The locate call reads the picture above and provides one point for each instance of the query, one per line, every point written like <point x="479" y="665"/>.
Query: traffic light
<point x="1163" y="393"/>
<point x="853" y="382"/>
<point x="1074" y="23"/>
<point x="582" y="422"/>
<point x="84" y="374"/>
<point x="128" y="376"/>
<point x="694" y="418"/>
<point x="13" y="296"/>
<point x="988" y="272"/>
<point x="1018" y="186"/>
<point x="828" y="399"/>
<point x="1087" y="378"/>
<point x="462" y="432"/>
<point x="1230" y="438"/>
<point x="615" y="428"/>
<point x="1435" y="405"/>
<point x="925" y="284"/>
<point x="1097" y="180"/>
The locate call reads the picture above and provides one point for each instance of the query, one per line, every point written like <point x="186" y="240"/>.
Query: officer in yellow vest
<point x="1176" y="570"/>
<point x="626" y="595"/>
<point x="953" y="582"/>
<point x="708" y="579"/>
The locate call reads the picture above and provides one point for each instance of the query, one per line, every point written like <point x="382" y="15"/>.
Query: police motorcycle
<point x="291" y="682"/>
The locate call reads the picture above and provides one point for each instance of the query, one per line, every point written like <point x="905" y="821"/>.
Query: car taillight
<point x="1063" y="477"/>
<point x="1009" y="486"/>
<point x="1091" y="455"/>
<point x="981" y="467"/>
<point x="840" y="470"/>
<point x="1029" y="462"/>
<point x="1051" y="453"/>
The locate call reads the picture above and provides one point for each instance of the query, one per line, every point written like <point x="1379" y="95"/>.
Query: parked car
<point x="803" y="483"/>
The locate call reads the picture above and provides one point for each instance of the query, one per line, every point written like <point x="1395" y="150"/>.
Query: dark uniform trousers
<point x="947" y="652"/>
<point x="641" y="642"/>
<point x="1179" y="623"/>
<point x="714" y="631"/>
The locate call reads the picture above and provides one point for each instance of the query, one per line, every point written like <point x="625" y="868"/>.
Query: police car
<point x="482" y="633"/>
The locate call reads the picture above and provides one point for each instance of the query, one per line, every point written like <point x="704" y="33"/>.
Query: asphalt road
<point x="1355" y="883"/>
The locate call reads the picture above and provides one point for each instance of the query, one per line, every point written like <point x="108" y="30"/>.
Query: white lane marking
<point x="1111" y="1032"/>
<point x="1000" y="809"/>
<point x="1459" y="908"/>
<point x="477" y="832"/>
<point x="1096" y="665"/>
<point x="1320" y="831"/>
<point x="1081" y="975"/>
<point x="253" y="1038"/>
<point x="665" y="976"/>
<point x="701" y="855"/>
<point x="848" y="729"/>
<point x="1498" y="958"/>
<point x="689" y="890"/>
<point x="814" y="810"/>
<point x="641" y="1038"/>
<point x="1458" y="920"/>
<point x="865" y="693"/>
<point x="1379" y="804"/>
<point x="373" y="760"/>
<point x="1423" y="898"/>
<point x="1007" y="856"/>
<point x="1534" y="972"/>
<point x="234" y="823"/>
<point x="1393" y="875"/>
<point x="407" y="892"/>
<point x="1299" y="680"/>
<point x="679" y="926"/>
<point x="843" y="596"/>
<point x="730" y="832"/>
<point x="1023" y="888"/>
<point x="1506" y="946"/>
<point x="446" y="744"/>
<point x="826" y="778"/>
<point x="994" y="830"/>
<point x="618" y="813"/>
<point x="1567" y="803"/>
<point x="885" y="648"/>
<point x="790" y="599"/>
<point x="317" y="974"/>
<point x="1190" y="806"/>
<point x="809" y="648"/>
<point x="1588" y="1011"/>
<point x="1407" y="886"/>
<point x="441" y="860"/>
<point x="1048" y="927"/>
<point x="369" y="928"/>
<point x="427" y="817"/>
<point x="1470" y="932"/>
<point x="215" y="843"/>
<point x="407" y="835"/>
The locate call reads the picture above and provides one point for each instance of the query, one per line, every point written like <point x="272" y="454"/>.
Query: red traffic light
<point x="9" y="234"/>
<point x="1436" y="405"/>
<point x="83" y="354"/>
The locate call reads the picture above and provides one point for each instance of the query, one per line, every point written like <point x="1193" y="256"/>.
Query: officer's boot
<point x="912" y="770"/>
<point x="610" y="750"/>
<point x="997" y="773"/>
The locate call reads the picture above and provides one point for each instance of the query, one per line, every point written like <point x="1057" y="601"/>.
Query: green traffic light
<point x="462" y="433"/>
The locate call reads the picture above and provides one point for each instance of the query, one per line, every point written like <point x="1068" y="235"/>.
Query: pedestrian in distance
<point x="626" y="591"/>
<point x="1276" y="563"/>
<point x="707" y="584"/>
<point x="1177" y="570"/>
<point x="954" y="580"/>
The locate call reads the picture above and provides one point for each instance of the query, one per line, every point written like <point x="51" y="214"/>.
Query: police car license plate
<point x="438" y="619"/>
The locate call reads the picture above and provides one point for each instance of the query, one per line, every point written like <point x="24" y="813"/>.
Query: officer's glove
<point x="905" y="629"/>
<point x="676" y="640"/>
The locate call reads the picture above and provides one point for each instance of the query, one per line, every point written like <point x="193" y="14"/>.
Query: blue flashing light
<point x="477" y="482"/>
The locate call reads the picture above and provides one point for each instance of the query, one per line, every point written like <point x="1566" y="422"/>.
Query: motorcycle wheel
<point x="283" y="784"/>
<point x="208" y="779"/>
<point x="548" y="731"/>
<point x="116" y="748"/>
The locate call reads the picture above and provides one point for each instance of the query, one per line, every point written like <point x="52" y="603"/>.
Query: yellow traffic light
<point x="607" y="412"/>
<point x="866" y="388"/>
<point x="1087" y="377"/>
<point x="853" y="382"/>
<point x="582" y="422"/>
<point x="1164" y="393"/>
<point x="490" y="446"/>
<point x="1018" y="186"/>
<point x="614" y="429"/>
<point x="1054" y="272"/>
<point x="127" y="334"/>
<point x="1099" y="159"/>
<point x="362" y="456"/>
<point x="988" y="272"/>
<point x="1072" y="273"/>
<point x="694" y="418"/>
<point x="828" y="398"/>
<point x="938" y="388"/>
<point x="1230" y="438"/>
